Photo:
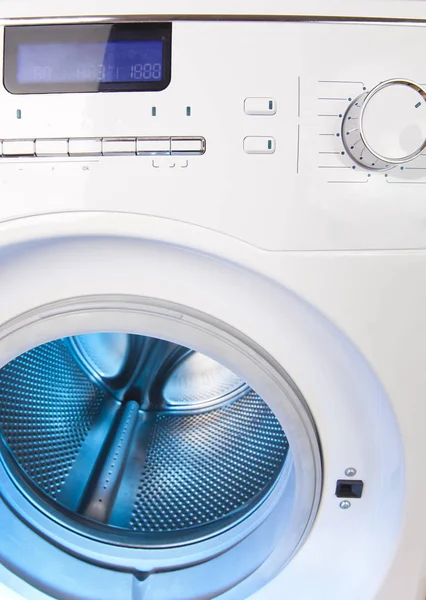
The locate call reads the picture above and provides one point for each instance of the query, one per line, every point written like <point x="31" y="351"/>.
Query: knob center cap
<point x="393" y="121"/>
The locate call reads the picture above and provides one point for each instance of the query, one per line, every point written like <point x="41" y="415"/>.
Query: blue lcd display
<point x="121" y="61"/>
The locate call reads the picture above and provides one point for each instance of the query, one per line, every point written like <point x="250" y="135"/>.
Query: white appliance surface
<point x="273" y="226"/>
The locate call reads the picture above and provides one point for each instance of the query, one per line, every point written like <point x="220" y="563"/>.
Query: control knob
<point x="386" y="126"/>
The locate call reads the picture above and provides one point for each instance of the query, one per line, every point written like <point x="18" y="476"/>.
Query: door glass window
<point x="119" y="431"/>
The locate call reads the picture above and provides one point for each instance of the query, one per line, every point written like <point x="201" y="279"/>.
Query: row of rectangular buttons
<point x="102" y="147"/>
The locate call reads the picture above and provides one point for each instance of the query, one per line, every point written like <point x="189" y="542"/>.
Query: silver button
<point x="85" y="147"/>
<point x="52" y="147"/>
<point x="16" y="148"/>
<point x="118" y="146"/>
<point x="153" y="146"/>
<point x="188" y="145"/>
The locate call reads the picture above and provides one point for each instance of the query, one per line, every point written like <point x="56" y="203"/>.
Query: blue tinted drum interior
<point x="118" y="432"/>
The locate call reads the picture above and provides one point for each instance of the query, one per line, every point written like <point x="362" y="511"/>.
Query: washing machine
<point x="212" y="300"/>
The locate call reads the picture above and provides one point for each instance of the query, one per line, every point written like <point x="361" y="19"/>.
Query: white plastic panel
<point x="306" y="195"/>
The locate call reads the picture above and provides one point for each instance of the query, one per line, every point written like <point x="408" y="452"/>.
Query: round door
<point x="164" y="418"/>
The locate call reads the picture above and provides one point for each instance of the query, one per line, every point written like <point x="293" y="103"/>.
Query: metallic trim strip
<point x="15" y="21"/>
<point x="208" y="17"/>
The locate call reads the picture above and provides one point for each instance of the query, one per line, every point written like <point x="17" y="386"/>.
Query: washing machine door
<point x="155" y="439"/>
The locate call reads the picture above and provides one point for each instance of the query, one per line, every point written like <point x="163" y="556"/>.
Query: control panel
<point x="265" y="131"/>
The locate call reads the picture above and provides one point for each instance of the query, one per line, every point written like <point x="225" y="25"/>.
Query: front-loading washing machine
<point x="212" y="306"/>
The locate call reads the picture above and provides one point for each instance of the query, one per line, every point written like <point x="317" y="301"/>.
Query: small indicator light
<point x="418" y="105"/>
<point x="269" y="144"/>
<point x="154" y="111"/>
<point x="19" y="114"/>
<point x="271" y="105"/>
<point x="188" y="111"/>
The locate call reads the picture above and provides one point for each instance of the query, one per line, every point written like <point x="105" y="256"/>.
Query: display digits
<point x="136" y="71"/>
<point x="157" y="71"/>
<point x="93" y="72"/>
<point x="100" y="72"/>
<point x="146" y="71"/>
<point x="42" y="74"/>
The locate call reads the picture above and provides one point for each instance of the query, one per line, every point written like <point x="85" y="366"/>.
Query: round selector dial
<point x="386" y="127"/>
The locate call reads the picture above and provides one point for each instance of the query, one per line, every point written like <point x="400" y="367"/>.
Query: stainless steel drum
<point x="137" y="440"/>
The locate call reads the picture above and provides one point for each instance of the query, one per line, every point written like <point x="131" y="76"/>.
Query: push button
<point x="259" y="145"/>
<point x="349" y="488"/>
<point x="153" y="146"/>
<point x="260" y="106"/>
<point x="118" y="146"/>
<point x="17" y="148"/>
<point x="188" y="145"/>
<point x="85" y="147"/>
<point x="51" y="147"/>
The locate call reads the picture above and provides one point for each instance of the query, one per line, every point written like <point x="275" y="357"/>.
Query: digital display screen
<point x="117" y="61"/>
<point x="98" y="57"/>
